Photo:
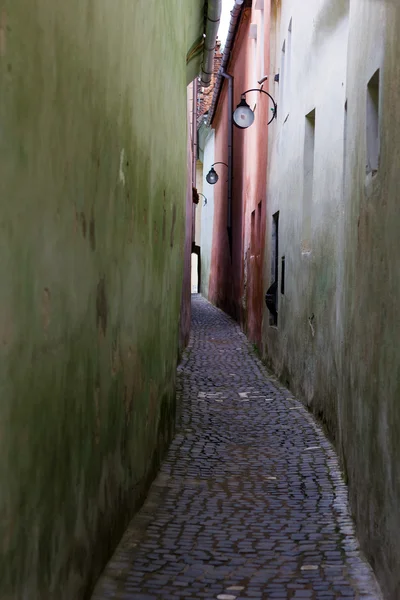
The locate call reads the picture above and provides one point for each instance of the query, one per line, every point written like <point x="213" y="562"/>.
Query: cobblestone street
<point x="249" y="502"/>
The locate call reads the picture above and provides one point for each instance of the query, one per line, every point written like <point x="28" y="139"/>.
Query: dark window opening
<point x="253" y="233"/>
<point x="283" y="275"/>
<point x="308" y="179"/>
<point x="271" y="297"/>
<point x="373" y="124"/>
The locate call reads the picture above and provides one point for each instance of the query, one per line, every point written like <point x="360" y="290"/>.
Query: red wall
<point x="237" y="286"/>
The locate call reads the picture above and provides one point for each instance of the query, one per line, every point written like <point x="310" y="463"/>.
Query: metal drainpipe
<point x="213" y="17"/>
<point x="230" y="154"/>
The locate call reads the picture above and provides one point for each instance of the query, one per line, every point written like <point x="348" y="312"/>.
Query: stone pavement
<point x="249" y="502"/>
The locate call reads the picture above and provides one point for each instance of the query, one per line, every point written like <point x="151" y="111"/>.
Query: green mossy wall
<point x="93" y="180"/>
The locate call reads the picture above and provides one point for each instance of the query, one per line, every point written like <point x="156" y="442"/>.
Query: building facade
<point x="235" y="257"/>
<point x="93" y="230"/>
<point x="332" y="215"/>
<point x="314" y="217"/>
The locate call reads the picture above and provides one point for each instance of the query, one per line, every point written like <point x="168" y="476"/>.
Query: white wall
<point x="337" y="339"/>
<point x="317" y="82"/>
<point x="207" y="214"/>
<point x="369" y="399"/>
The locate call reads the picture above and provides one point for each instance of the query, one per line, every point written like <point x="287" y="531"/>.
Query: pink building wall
<point x="237" y="286"/>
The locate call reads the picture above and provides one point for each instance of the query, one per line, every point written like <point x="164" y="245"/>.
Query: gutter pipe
<point x="213" y="19"/>
<point x="230" y="154"/>
<point x="235" y="14"/>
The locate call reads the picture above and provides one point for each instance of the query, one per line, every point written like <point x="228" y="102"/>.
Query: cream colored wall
<point x="336" y="343"/>
<point x="207" y="213"/>
<point x="318" y="82"/>
<point x="199" y="186"/>
<point x="368" y="311"/>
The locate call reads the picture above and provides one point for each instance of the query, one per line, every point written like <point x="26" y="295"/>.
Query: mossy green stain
<point x="82" y="90"/>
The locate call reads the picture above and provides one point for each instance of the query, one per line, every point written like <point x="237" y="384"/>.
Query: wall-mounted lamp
<point x="205" y="199"/>
<point x="212" y="175"/>
<point x="243" y="116"/>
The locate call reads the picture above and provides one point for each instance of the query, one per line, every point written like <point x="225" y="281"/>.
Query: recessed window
<point x="253" y="234"/>
<point x="373" y="136"/>
<point x="282" y="77"/>
<point x="283" y="275"/>
<point x="344" y="142"/>
<point x="288" y="64"/>
<point x="272" y="295"/>
<point x="308" y="179"/>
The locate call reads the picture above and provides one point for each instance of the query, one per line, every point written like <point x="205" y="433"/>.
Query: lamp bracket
<point x="275" y="107"/>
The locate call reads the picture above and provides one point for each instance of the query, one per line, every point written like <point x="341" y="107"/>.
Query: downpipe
<point x="213" y="19"/>
<point x="230" y="155"/>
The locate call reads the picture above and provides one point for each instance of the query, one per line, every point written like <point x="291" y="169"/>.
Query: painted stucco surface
<point x="92" y="217"/>
<point x="225" y="283"/>
<point x="184" y="326"/>
<point x="236" y="285"/>
<point x="302" y="348"/>
<point x="254" y="142"/>
<point x="207" y="213"/>
<point x="369" y="409"/>
<point x="336" y="343"/>
<point x="199" y="187"/>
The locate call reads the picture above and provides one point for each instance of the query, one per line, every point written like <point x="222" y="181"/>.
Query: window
<point x="283" y="275"/>
<point x="373" y="143"/>
<point x="253" y="234"/>
<point x="344" y="143"/>
<point x="308" y="180"/>
<point x="282" y="81"/>
<point x="288" y="64"/>
<point x="271" y="297"/>
<point x="275" y="246"/>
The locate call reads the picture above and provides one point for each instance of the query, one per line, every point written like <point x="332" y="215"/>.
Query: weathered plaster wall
<point x="185" y="314"/>
<point x="254" y="163"/>
<point x="199" y="207"/>
<point x="220" y="280"/>
<point x="226" y="281"/>
<point x="237" y="285"/>
<point x="207" y="214"/>
<point x="302" y="348"/>
<point x="336" y="343"/>
<point x="369" y="409"/>
<point x="92" y="219"/>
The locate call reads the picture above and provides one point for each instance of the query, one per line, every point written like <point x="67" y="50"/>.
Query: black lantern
<point x="243" y="116"/>
<point x="212" y="175"/>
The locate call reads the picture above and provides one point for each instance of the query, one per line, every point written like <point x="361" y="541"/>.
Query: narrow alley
<point x="199" y="213"/>
<point x="249" y="502"/>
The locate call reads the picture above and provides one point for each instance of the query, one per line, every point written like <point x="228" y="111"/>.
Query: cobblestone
<point x="249" y="502"/>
